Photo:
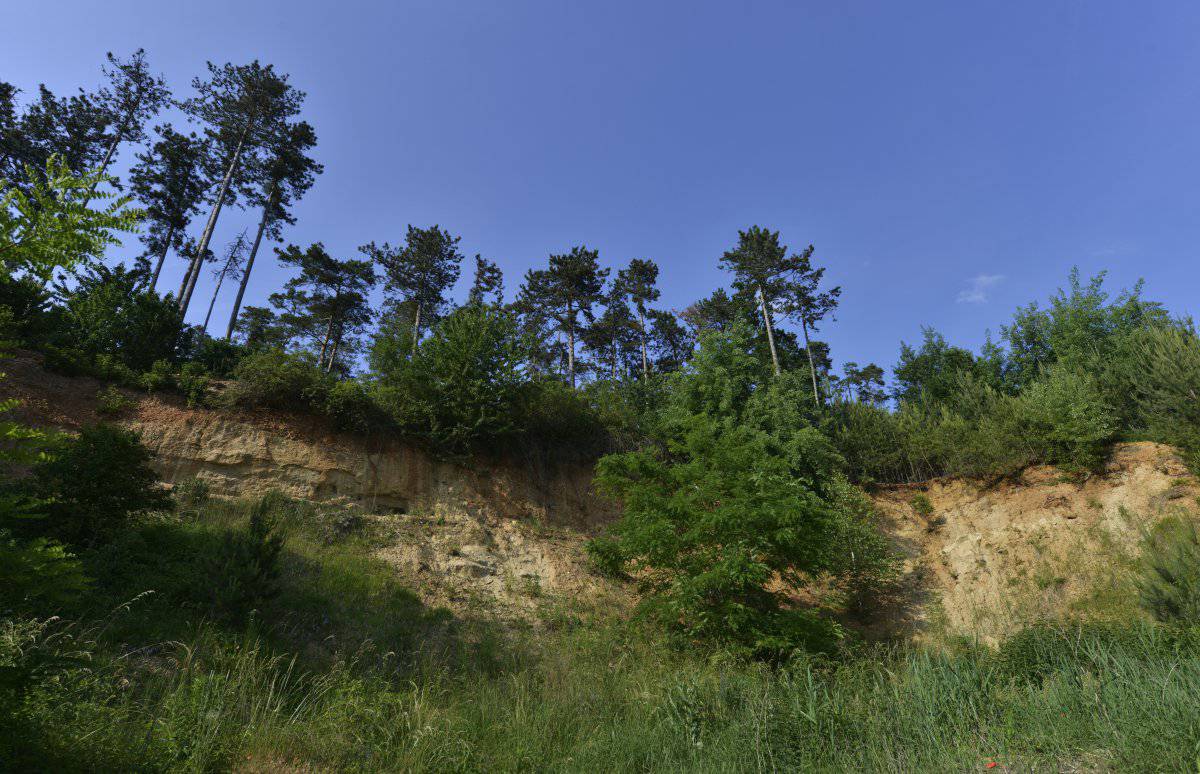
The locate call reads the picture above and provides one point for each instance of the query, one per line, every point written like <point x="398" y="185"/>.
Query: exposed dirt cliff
<point x="245" y="453"/>
<point x="983" y="560"/>
<point x="506" y="533"/>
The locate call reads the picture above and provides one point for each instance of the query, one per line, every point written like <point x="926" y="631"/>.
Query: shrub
<point x="110" y="401"/>
<point x="737" y="501"/>
<point x="26" y="317"/>
<point x="553" y="414"/>
<point x="1168" y="365"/>
<point x="1068" y="419"/>
<point x="921" y="506"/>
<point x="277" y="379"/>
<point x="193" y="380"/>
<point x="37" y="575"/>
<point x="462" y="386"/>
<point x="218" y="356"/>
<point x="1170" y="583"/>
<point x="875" y="443"/>
<point x="244" y="572"/>
<point x="94" y="483"/>
<point x="113" y="369"/>
<point x="352" y="407"/>
<point x="108" y="312"/>
<point x="161" y="376"/>
<point x="192" y="494"/>
<point x="606" y="557"/>
<point x="66" y="360"/>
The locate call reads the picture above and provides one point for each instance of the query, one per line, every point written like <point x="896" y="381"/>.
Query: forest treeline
<point x="577" y="354"/>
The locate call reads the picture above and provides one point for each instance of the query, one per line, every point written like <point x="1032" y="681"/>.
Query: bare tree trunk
<point x="237" y="302"/>
<point x="571" y="349"/>
<point x="325" y="343"/>
<point x="187" y="277"/>
<point x="162" y="257"/>
<point x="812" y="369"/>
<point x="211" y="304"/>
<point x="416" y="328"/>
<point x="645" y="359"/>
<point x="211" y="226"/>
<point x="337" y="343"/>
<point x="762" y="303"/>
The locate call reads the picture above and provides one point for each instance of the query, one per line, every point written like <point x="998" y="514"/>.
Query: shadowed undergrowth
<point x="341" y="669"/>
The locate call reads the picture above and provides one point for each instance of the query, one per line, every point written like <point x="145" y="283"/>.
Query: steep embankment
<point x="984" y="560"/>
<point x="501" y="533"/>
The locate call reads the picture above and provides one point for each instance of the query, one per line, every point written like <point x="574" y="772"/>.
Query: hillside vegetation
<point x="771" y="516"/>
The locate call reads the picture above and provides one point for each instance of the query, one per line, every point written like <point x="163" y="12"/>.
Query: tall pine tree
<point x="132" y="97"/>
<point x="638" y="281"/>
<point x="566" y="292"/>
<point x="802" y="299"/>
<point x="328" y="298"/>
<point x="761" y="267"/>
<point x="243" y="109"/>
<point x="489" y="280"/>
<point x="419" y="274"/>
<point x="284" y="176"/>
<point x="170" y="182"/>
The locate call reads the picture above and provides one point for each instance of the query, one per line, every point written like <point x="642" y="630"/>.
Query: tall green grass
<point x="385" y="685"/>
<point x="588" y="700"/>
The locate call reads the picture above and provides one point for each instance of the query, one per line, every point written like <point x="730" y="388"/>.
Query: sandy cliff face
<point x="492" y="535"/>
<point x="989" y="559"/>
<point x="983" y="562"/>
<point x="244" y="455"/>
<point x="250" y="453"/>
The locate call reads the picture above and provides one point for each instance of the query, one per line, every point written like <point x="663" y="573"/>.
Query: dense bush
<point x="1167" y="359"/>
<point x="552" y="414"/>
<point x="278" y="379"/>
<point x="193" y="381"/>
<point x="462" y="385"/>
<point x="218" y="356"/>
<point x="1068" y="419"/>
<point x="37" y="576"/>
<point x="353" y="407"/>
<point x="94" y="483"/>
<point x="108" y="312"/>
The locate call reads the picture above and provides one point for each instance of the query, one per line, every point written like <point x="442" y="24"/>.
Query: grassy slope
<point x="345" y="670"/>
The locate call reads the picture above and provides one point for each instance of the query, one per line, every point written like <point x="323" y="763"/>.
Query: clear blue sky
<point x="948" y="160"/>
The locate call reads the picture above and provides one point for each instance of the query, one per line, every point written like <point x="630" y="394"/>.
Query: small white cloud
<point x="977" y="288"/>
